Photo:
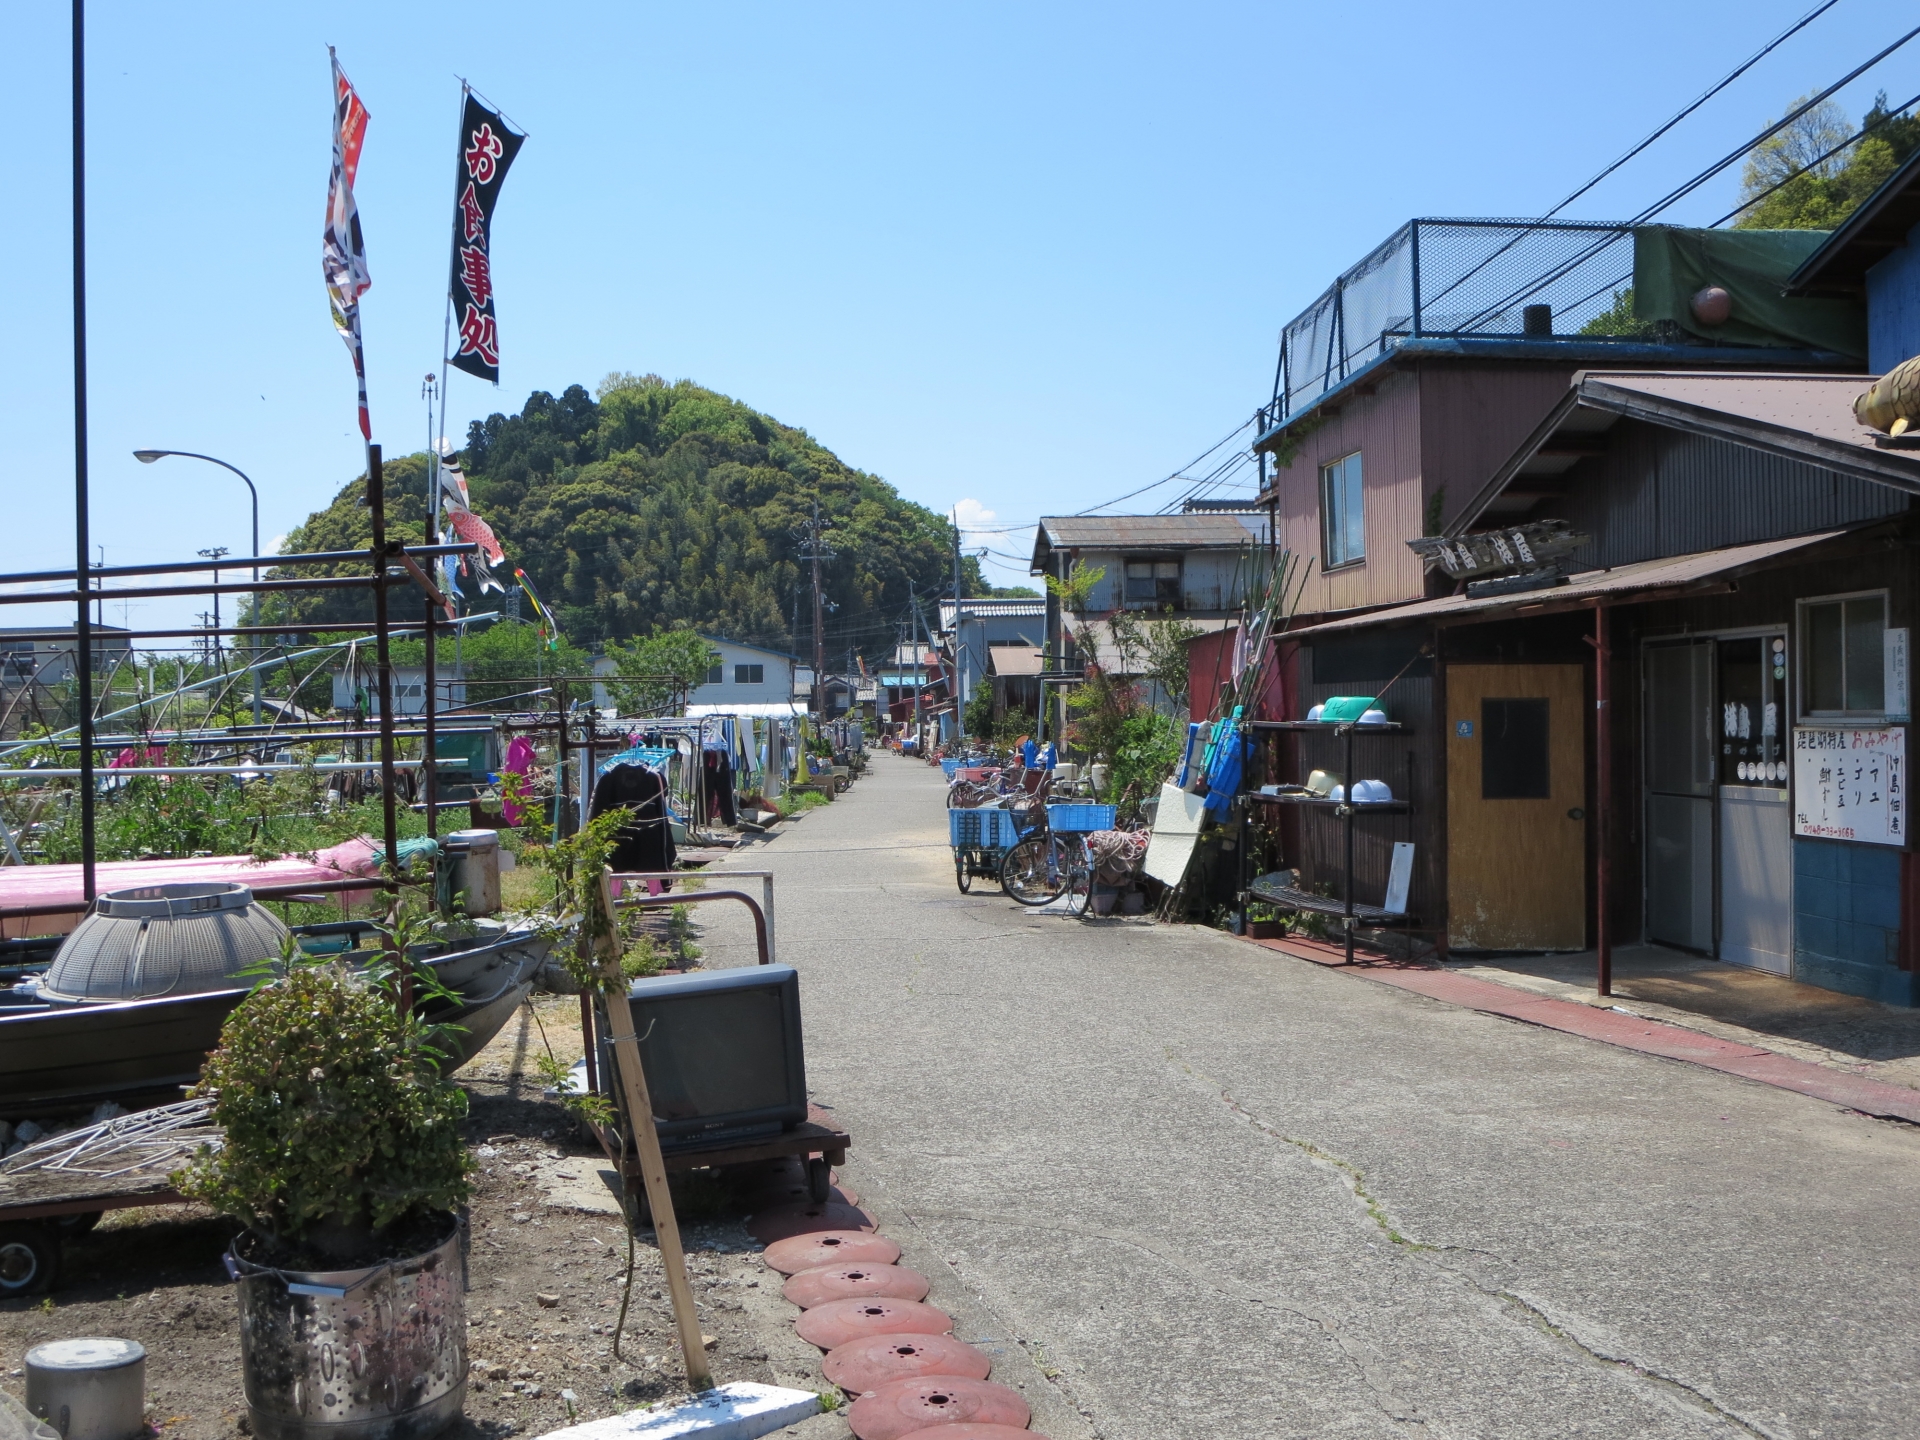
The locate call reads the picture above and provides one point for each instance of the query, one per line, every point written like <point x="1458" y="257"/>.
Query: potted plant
<point x="1264" y="923"/>
<point x="343" y="1158"/>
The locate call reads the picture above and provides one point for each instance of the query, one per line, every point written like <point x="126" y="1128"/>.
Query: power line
<point x="1854" y="139"/>
<point x="1179" y="474"/>
<point x="1705" y="175"/>
<point x="1713" y="90"/>
<point x="1583" y="255"/>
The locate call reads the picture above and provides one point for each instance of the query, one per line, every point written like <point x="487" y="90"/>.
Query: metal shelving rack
<point x="1347" y="909"/>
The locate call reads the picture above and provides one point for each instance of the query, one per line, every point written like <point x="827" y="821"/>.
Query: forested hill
<point x="661" y="504"/>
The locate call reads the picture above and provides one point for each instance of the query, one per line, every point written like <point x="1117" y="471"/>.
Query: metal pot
<point x="375" y="1353"/>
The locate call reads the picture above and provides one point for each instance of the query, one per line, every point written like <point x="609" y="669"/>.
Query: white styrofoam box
<point x="739" y="1411"/>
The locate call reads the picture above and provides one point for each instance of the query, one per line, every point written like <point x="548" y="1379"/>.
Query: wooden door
<point x="1516" y="807"/>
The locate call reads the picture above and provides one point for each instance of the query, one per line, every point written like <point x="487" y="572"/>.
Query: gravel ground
<point x="546" y="1278"/>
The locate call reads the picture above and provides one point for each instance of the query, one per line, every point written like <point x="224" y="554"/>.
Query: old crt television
<point x="721" y="1051"/>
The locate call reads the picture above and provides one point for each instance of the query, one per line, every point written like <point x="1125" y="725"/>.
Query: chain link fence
<point x="1459" y="277"/>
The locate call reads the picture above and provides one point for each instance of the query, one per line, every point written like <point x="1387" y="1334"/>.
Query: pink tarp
<point x="58" y="884"/>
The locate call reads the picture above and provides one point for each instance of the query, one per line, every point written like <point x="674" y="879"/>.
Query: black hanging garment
<point x="719" y="767"/>
<point x="646" y="841"/>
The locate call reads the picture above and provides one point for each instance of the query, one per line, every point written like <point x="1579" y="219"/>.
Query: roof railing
<point x="1531" y="279"/>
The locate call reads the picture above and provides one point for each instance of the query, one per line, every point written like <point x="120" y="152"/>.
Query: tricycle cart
<point x="818" y="1145"/>
<point x="980" y="840"/>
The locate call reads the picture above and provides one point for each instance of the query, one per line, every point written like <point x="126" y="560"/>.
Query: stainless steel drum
<point x="378" y="1353"/>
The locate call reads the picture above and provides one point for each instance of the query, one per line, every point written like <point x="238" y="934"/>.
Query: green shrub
<point x="333" y="1108"/>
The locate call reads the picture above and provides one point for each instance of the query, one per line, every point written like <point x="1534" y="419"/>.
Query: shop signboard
<point x="1850" y="783"/>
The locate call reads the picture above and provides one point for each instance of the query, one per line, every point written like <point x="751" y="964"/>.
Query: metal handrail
<point x="763" y="931"/>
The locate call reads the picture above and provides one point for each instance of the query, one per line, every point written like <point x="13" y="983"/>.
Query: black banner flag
<point x="487" y="148"/>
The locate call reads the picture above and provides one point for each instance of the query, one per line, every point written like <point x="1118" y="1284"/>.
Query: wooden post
<point x="1603" y="798"/>
<point x="653" y="1170"/>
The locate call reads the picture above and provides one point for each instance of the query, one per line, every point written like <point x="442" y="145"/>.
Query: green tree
<point x="978" y="716"/>
<point x="1791" y="182"/>
<point x="658" y="505"/>
<point x="1617" y="319"/>
<point x="658" y="670"/>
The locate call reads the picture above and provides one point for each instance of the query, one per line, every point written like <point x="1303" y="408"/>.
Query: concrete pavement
<point x="1194" y="1188"/>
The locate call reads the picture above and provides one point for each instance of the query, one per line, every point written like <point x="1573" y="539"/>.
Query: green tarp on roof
<point x="1671" y="263"/>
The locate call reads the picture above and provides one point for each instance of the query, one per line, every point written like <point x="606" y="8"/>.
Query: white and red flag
<point x="343" y="253"/>
<point x="468" y="526"/>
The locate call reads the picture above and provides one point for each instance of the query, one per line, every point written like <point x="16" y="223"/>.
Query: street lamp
<point x="147" y="457"/>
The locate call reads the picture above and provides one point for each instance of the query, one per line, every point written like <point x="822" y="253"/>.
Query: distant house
<point x="976" y="632"/>
<point x="44" y="654"/>
<point x="1193" y="568"/>
<point x="915" y="669"/>
<point x="750" y="675"/>
<point x="352" y="687"/>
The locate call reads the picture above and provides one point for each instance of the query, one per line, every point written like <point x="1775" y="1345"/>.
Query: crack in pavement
<point x="1364" y="1358"/>
<point x="1430" y="1253"/>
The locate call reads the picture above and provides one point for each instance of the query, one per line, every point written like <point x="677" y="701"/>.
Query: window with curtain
<point x="1342" y="512"/>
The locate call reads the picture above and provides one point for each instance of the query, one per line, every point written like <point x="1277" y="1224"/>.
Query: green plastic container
<point x="1342" y="708"/>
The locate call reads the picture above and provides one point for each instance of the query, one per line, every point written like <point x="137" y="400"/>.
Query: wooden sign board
<point x="1850" y="784"/>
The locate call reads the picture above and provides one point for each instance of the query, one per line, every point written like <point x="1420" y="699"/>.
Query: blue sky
<point x="1030" y="257"/>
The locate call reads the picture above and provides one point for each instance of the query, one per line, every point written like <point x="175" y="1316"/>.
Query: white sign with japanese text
<point x="1850" y="784"/>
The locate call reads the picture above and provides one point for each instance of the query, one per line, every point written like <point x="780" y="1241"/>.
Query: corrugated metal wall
<point x="1472" y="419"/>
<point x="1660" y="492"/>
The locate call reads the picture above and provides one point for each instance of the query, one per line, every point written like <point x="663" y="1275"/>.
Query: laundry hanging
<point x="645" y="841"/>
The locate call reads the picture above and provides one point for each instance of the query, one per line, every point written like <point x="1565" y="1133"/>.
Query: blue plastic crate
<point x="980" y="829"/>
<point x="949" y="768"/>
<point x="1082" y="819"/>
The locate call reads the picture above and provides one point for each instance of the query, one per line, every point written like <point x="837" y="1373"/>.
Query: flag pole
<point x="446" y="382"/>
<point x="83" y="648"/>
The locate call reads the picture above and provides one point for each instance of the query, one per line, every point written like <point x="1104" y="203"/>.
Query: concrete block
<point x="1874" y="865"/>
<point x="1819" y="897"/>
<point x="1875" y="982"/>
<point x="739" y="1411"/>
<point x="1816" y="934"/>
<point x="1815" y="859"/>
<point x="1875" y="905"/>
<point x="1858" y="944"/>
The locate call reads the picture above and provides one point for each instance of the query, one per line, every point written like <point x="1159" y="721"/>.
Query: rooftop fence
<point x="1449" y="278"/>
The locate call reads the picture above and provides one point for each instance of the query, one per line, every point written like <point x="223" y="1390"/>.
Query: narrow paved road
<point x="1193" y="1190"/>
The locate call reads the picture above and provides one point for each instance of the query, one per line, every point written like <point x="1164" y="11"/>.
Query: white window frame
<point x="1327" y="529"/>
<point x="1802" y="673"/>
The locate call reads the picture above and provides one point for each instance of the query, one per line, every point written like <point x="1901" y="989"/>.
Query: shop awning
<point x="1011" y="660"/>
<point x="1668" y="578"/>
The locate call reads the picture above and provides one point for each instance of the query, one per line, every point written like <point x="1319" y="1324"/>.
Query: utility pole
<point x="816" y="551"/>
<point x="215" y="555"/>
<point x="960" y="671"/>
<point x="919" y="669"/>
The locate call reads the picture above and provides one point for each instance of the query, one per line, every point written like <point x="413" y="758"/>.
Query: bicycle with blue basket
<point x="1037" y="851"/>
